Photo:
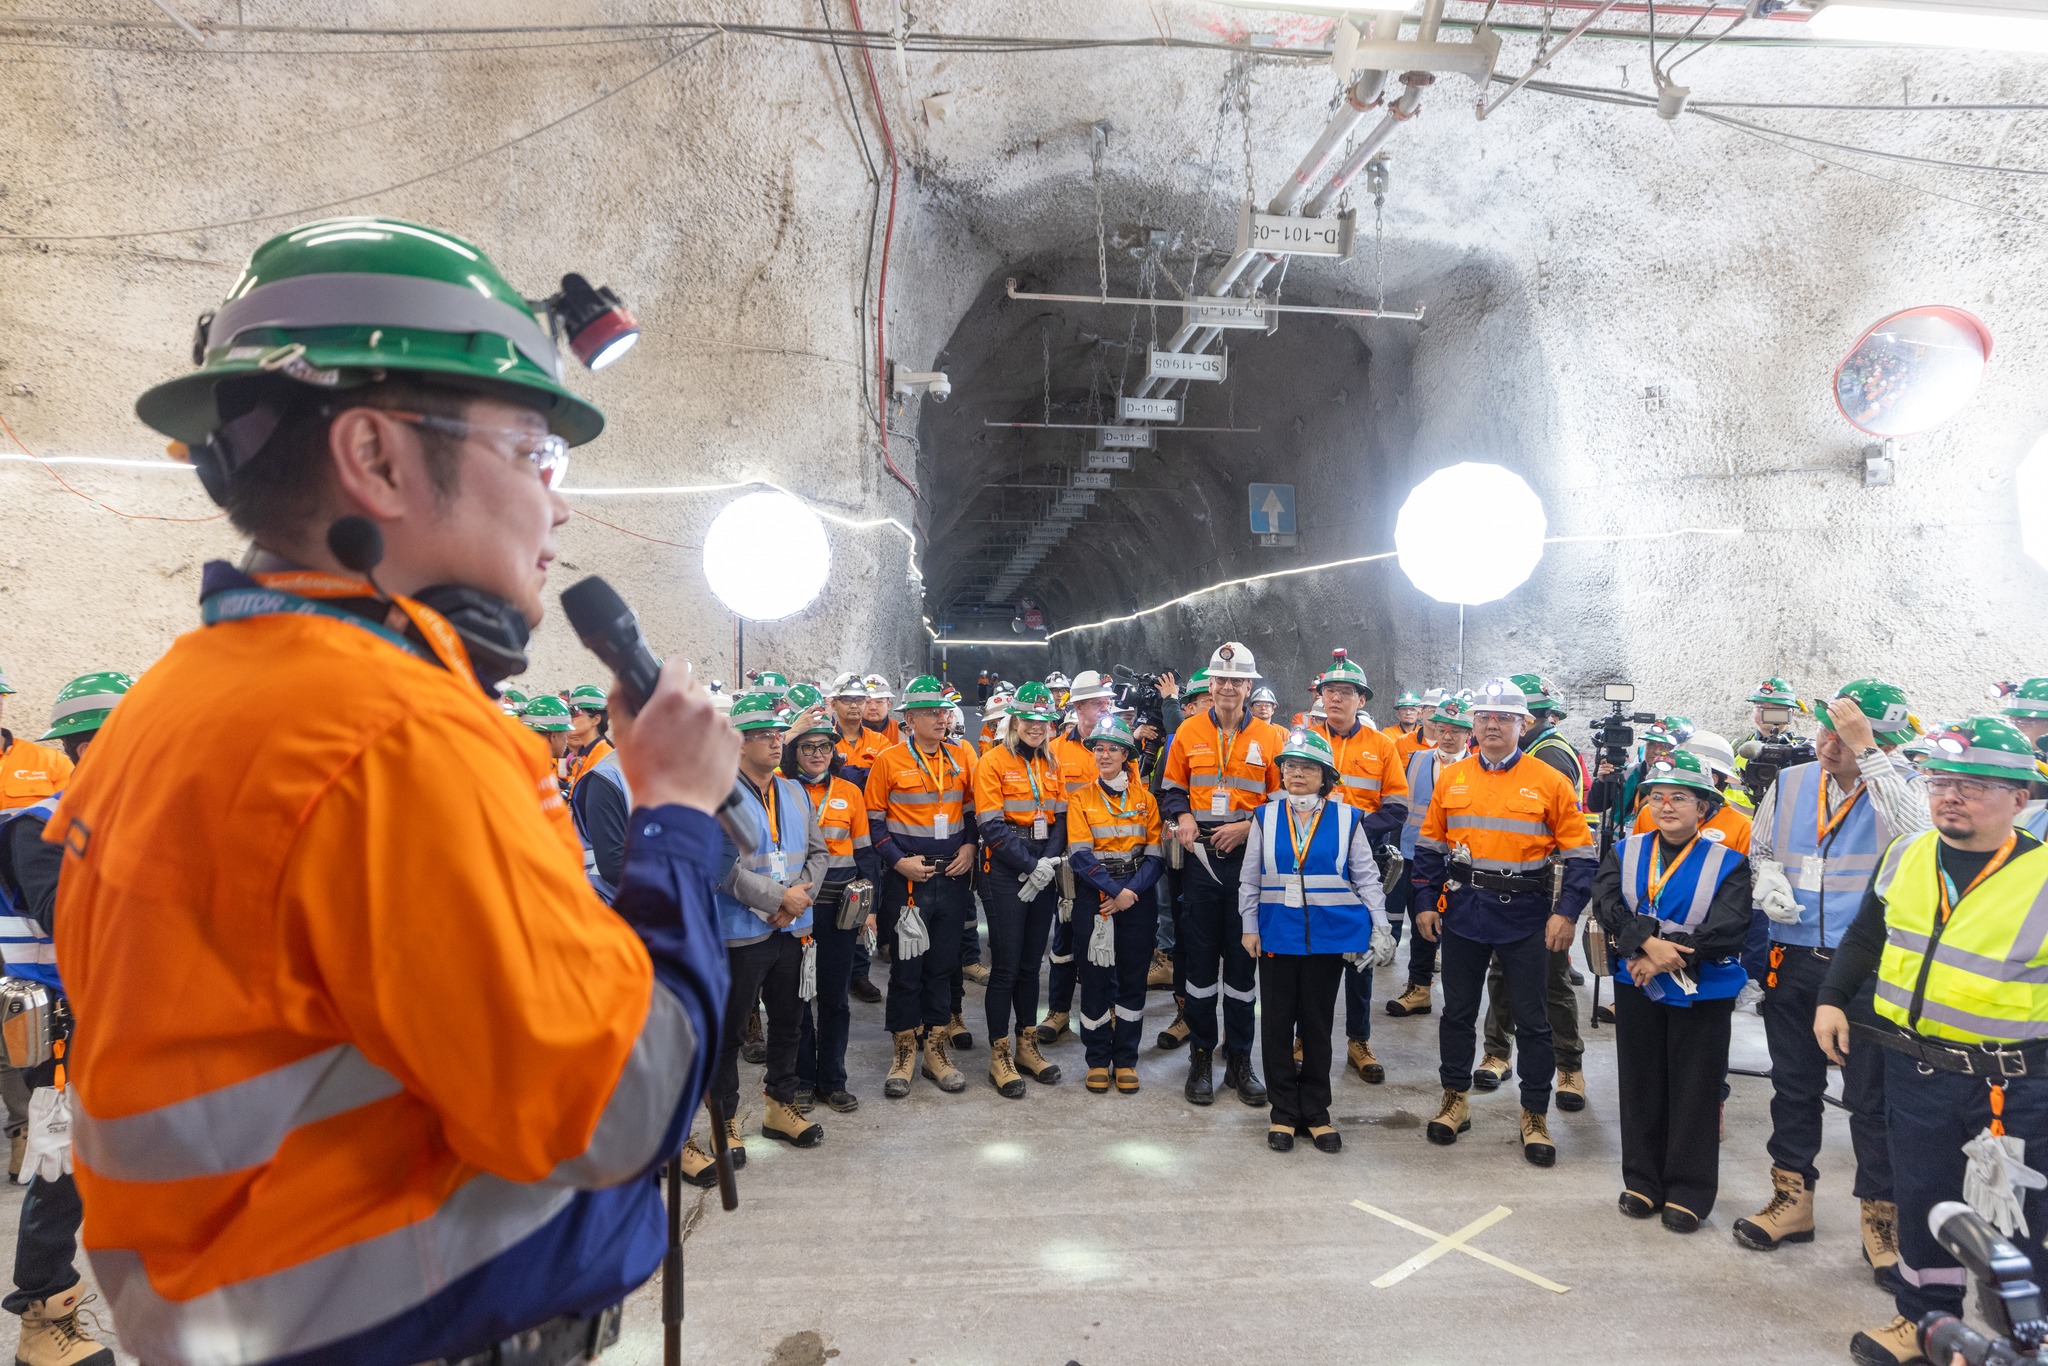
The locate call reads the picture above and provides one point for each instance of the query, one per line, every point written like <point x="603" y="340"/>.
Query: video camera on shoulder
<point x="1614" y="741"/>
<point x="2007" y="1295"/>
<point x="1139" y="692"/>
<point x="1764" y="759"/>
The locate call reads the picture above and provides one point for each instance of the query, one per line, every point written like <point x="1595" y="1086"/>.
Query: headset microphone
<point x="609" y="629"/>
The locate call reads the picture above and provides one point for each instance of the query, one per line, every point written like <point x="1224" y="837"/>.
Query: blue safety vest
<point x="1331" y="918"/>
<point x="1827" y="903"/>
<point x="1681" y="907"/>
<point x="1423" y="766"/>
<point x="608" y="771"/>
<point x="737" y="921"/>
<point x="2034" y="820"/>
<point x="29" y="953"/>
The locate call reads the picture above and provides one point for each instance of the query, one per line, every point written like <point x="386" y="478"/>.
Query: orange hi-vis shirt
<point x="1512" y="819"/>
<point x="1131" y="829"/>
<point x="1368" y="769"/>
<point x="1406" y="742"/>
<point x="860" y="751"/>
<point x="1220" y="787"/>
<point x="1728" y="826"/>
<point x="583" y="764"/>
<point x="918" y="802"/>
<point x="30" y="772"/>
<point x="352" y="1014"/>
<point x="843" y="819"/>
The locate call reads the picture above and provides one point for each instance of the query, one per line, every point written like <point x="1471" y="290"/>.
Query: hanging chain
<point x="1045" y="366"/>
<point x="1244" y="109"/>
<point x="1379" y="249"/>
<point x="1100" y="139"/>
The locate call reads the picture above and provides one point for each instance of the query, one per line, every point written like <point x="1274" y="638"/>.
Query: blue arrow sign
<point x="1272" y="509"/>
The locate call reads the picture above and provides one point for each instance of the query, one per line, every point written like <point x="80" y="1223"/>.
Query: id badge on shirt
<point x="939" y="826"/>
<point x="1219" y="803"/>
<point x="1812" y="868"/>
<point x="1294" y="894"/>
<point x="1038" y="826"/>
<point x="778" y="865"/>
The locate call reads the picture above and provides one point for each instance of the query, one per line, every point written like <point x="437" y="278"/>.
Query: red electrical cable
<point x="627" y="531"/>
<point x="107" y="507"/>
<point x="882" y="287"/>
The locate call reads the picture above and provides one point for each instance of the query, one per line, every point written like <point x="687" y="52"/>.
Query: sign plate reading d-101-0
<point x="1109" y="460"/>
<point x="1210" y="366"/>
<point x="1125" y="438"/>
<point x="1231" y="312"/>
<point x="1281" y="235"/>
<point x="1148" y="410"/>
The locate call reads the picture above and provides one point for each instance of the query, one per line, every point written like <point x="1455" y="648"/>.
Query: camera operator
<point x="1815" y="844"/>
<point x="1772" y="746"/>
<point x="400" y="1019"/>
<point x="1946" y="930"/>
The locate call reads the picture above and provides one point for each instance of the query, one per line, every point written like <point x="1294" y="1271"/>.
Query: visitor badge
<point x="1812" y="869"/>
<point x="939" y="826"/>
<point x="778" y="865"/>
<point x="1038" y="826"/>
<point x="1219" y="803"/>
<point x="1294" y="894"/>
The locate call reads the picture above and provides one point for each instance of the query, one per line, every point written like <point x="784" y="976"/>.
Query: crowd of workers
<point x="230" y="912"/>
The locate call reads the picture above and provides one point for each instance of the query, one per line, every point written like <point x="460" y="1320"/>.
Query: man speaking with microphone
<point x="367" y="1071"/>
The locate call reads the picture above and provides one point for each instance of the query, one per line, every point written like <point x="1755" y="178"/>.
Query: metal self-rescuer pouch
<point x="25" y="1023"/>
<point x="858" y="904"/>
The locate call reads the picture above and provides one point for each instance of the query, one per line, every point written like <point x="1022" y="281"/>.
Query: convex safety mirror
<point x="1913" y="371"/>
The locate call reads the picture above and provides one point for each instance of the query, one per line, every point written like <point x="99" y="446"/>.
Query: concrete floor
<point x="1117" y="1231"/>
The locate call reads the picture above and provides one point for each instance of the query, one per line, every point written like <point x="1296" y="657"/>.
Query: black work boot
<point x="1238" y="1075"/>
<point x="1201" y="1087"/>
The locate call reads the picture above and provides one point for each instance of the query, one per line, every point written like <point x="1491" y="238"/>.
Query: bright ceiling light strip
<point x="168" y="465"/>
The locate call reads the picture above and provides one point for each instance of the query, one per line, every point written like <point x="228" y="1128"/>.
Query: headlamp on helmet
<point x="593" y="320"/>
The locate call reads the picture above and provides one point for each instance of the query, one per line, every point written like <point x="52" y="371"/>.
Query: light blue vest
<point x="1826" y="904"/>
<point x="1681" y="907"/>
<point x="607" y="770"/>
<point x="737" y="922"/>
<point x="1331" y="919"/>
<point x="28" y="952"/>
<point x="1423" y="766"/>
<point x="2034" y="820"/>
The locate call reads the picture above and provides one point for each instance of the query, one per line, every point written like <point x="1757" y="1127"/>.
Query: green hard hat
<point x="1309" y="744"/>
<point x="343" y="302"/>
<point x="1343" y="670"/>
<point x="5" y="686"/>
<point x="1539" y="693"/>
<point x="1775" y="690"/>
<point x="2029" y="701"/>
<point x="1031" y="702"/>
<point x="1453" y="711"/>
<point x="1680" y="728"/>
<point x="769" y="684"/>
<point x="1112" y="728"/>
<point x="1409" y="698"/>
<point x="802" y="695"/>
<point x="1986" y="747"/>
<point x="546" y="713"/>
<point x="1198" y="684"/>
<point x="588" y="697"/>
<point x="1884" y="703"/>
<point x="513" y="699"/>
<point x="820" y="725"/>
<point x="922" y="693"/>
<point x="1680" y="768"/>
<point x="1660" y="734"/>
<point x="756" y="711"/>
<point x="84" y="702"/>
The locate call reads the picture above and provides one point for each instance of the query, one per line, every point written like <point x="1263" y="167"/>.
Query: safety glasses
<point x="548" y="453"/>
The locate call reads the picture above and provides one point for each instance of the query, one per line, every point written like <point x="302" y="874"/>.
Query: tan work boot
<point x="1097" y="1080"/>
<point x="783" y="1123"/>
<point x="976" y="972"/>
<point x="50" y="1335"/>
<point x="1127" y="1081"/>
<point x="1414" y="1001"/>
<point x="1360" y="1055"/>
<point x="1160" y="974"/>
<point x="1787" y="1219"/>
<point x="1895" y="1344"/>
<point x="1881" y="1241"/>
<point x="1002" y="1073"/>
<point x="1175" y="1034"/>
<point x="957" y="1035"/>
<point x="900" y="1067"/>
<point x="1031" y="1062"/>
<point x="698" y="1168"/>
<point x="1491" y="1072"/>
<point x="1536" y="1145"/>
<point x="938" y="1063"/>
<point x="1453" y="1117"/>
<point x="1053" y="1026"/>
<point x="1571" y="1089"/>
<point x="737" y="1146"/>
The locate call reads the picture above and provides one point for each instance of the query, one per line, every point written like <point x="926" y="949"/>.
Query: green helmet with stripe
<point x="1983" y="747"/>
<point x="756" y="711"/>
<point x="1775" y="691"/>
<point x="769" y="684"/>
<point x="588" y="697"/>
<point x="546" y="713"/>
<point x="5" y="686"/>
<point x="925" y="692"/>
<point x="512" y="700"/>
<point x="1198" y="685"/>
<point x="2027" y="702"/>
<point x="1033" y="702"/>
<point x="1409" y="698"/>
<point x="346" y="302"/>
<point x="1111" y="728"/>
<point x="83" y="703"/>
<point x="1681" y="768"/>
<point x="802" y="696"/>
<point x="1309" y="744"/>
<point x="1453" y="711"/>
<point x="818" y="725"/>
<point x="1679" y="728"/>
<point x="1884" y="703"/>
<point x="1344" y="670"/>
<point x="1540" y="694"/>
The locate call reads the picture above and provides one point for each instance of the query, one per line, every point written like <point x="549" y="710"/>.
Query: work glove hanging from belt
<point x="1381" y="954"/>
<point x="1772" y="893"/>
<point x="48" y="1154"/>
<point x="1102" y="943"/>
<point x="912" y="938"/>
<point x="807" y="976"/>
<point x="1991" y="1183"/>
<point x="1038" y="879"/>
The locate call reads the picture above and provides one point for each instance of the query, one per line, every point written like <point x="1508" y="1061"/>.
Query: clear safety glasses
<point x="548" y="453"/>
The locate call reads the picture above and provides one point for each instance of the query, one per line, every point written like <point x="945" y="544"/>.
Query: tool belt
<point x="1117" y="866"/>
<point x="1528" y="884"/>
<point x="1992" y="1060"/>
<point x="558" y="1342"/>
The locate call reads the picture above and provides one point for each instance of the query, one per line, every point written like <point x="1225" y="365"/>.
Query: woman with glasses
<point x="1675" y="907"/>
<point x="814" y="760"/>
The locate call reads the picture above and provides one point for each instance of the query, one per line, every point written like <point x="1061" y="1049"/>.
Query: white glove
<point x="1038" y="879"/>
<point x="807" y="976"/>
<point x="1772" y="893"/>
<point x="912" y="938"/>
<point x="1102" y="944"/>
<point x="49" y="1135"/>
<point x="1998" y="1166"/>
<point x="1381" y="954"/>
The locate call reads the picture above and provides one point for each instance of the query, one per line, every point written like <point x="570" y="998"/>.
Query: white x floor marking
<point x="1455" y="1242"/>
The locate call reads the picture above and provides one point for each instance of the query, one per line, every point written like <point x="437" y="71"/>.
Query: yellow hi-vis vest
<point x="1988" y="979"/>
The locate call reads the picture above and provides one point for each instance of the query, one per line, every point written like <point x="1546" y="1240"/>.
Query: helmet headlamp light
<point x="595" y="321"/>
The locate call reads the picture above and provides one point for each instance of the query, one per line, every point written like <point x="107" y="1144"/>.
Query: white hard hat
<point x="1233" y="660"/>
<point x="1713" y="750"/>
<point x="1089" y="683"/>
<point x="1265" y="695"/>
<point x="1435" y="697"/>
<point x="849" y="685"/>
<point x="1502" y="695"/>
<point x="878" y="686"/>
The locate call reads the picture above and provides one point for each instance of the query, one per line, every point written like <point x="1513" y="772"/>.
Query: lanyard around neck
<point x="1660" y="873"/>
<point x="1945" y="887"/>
<point x="767" y="793"/>
<point x="302" y="590"/>
<point x="945" y="757"/>
<point x="1301" y="845"/>
<point x="1825" y="824"/>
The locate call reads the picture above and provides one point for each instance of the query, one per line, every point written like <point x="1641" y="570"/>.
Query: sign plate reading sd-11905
<point x="1282" y="235"/>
